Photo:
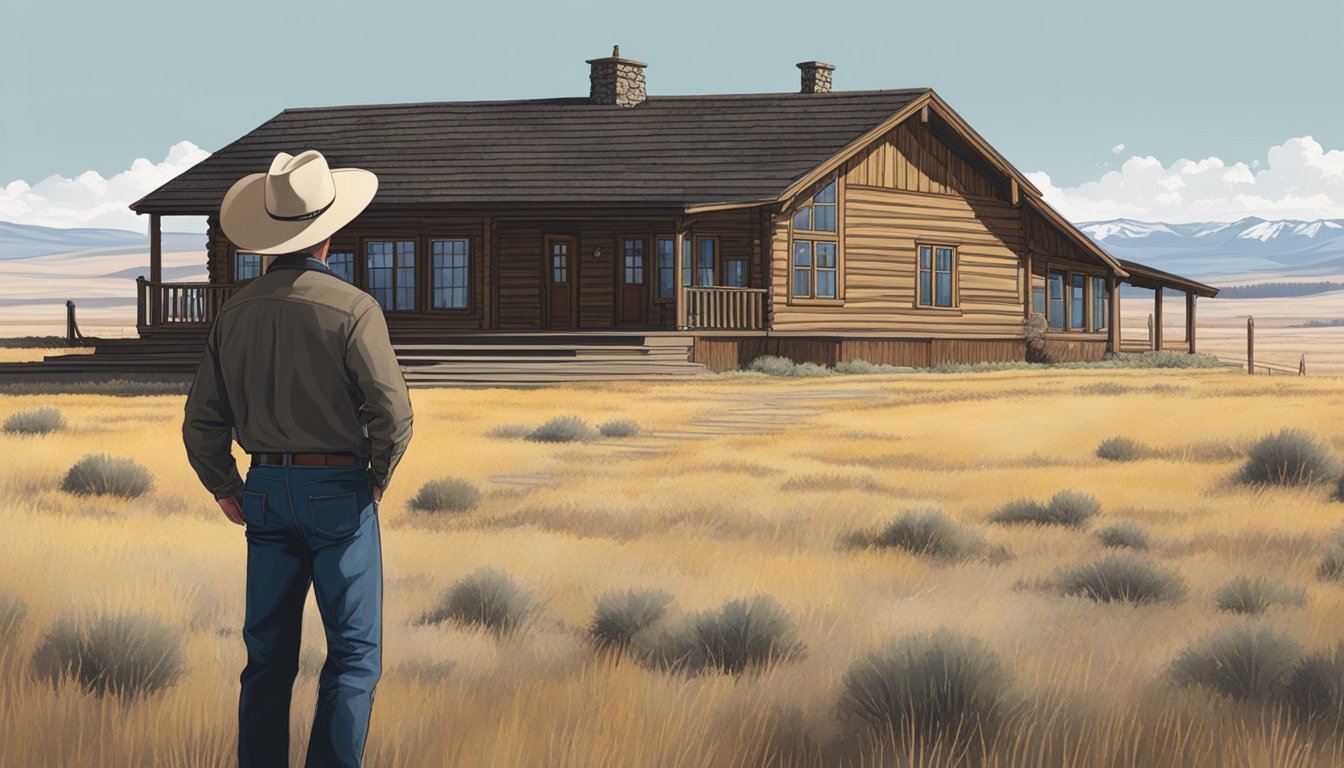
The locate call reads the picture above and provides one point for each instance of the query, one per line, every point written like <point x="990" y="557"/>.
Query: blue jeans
<point x="310" y="525"/>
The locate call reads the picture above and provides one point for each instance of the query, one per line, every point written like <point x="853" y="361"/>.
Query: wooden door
<point x="633" y="278"/>
<point x="561" y="262"/>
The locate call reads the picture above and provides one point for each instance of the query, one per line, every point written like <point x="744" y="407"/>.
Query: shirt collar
<point x="297" y="261"/>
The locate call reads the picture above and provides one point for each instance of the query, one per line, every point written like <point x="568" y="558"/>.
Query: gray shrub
<point x="446" y="494"/>
<point x="1122" y="449"/>
<point x="35" y="421"/>
<point x="486" y="598"/>
<point x="1314" y="690"/>
<point x="104" y="475"/>
<point x="1125" y="535"/>
<point x="621" y="615"/>
<point x="1289" y="457"/>
<point x="122" y="655"/>
<point x="1124" y="579"/>
<point x="1249" y="661"/>
<point x="746" y="633"/>
<point x="1253" y="595"/>
<point x="562" y="429"/>
<point x="619" y="428"/>
<point x="926" y="532"/>
<point x="1067" y="508"/>
<point x="932" y="687"/>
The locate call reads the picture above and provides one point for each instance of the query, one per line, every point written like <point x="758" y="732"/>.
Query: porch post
<point x="1157" y="319"/>
<point x="155" y="267"/>
<point x="1190" y="320"/>
<point x="1113" y="322"/>
<point x="678" y="287"/>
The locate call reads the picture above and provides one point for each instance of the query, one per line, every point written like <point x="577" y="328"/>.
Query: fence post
<point x="71" y="330"/>
<point x="1250" y="346"/>
<point x="1150" y="331"/>
<point x="1302" y="365"/>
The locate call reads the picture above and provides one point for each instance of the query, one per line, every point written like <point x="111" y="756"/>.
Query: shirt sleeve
<point x="386" y="410"/>
<point x="207" y="429"/>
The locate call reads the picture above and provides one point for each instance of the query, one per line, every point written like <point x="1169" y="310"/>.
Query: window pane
<point x="826" y="194"/>
<point x="246" y="266"/>
<point x="634" y="261"/>
<point x="1099" y="303"/>
<point x="925" y="257"/>
<point x="824" y="218"/>
<point x="803" y="219"/>
<point x="825" y="255"/>
<point x="1077" y="311"/>
<point x="943" y="262"/>
<point x="802" y="253"/>
<point x="826" y="283"/>
<point x="449" y="275"/>
<point x="736" y="270"/>
<point x="705" y="267"/>
<point x="342" y="265"/>
<point x="944" y="297"/>
<point x="925" y="287"/>
<point x="667" y="272"/>
<point x="1056" y="309"/>
<point x="379" y="256"/>
<point x="801" y="277"/>
<point x="686" y="270"/>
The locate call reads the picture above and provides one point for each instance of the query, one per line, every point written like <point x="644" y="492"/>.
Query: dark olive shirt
<point x="298" y="360"/>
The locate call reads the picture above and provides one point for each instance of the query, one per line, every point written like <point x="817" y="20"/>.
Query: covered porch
<point x="1143" y="324"/>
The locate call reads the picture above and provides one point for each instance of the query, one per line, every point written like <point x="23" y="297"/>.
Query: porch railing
<point x="179" y="303"/>
<point x="722" y="308"/>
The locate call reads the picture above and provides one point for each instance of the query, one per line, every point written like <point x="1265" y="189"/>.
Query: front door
<point x="634" y="281"/>
<point x="561" y="259"/>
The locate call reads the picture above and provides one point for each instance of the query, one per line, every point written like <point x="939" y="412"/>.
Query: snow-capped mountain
<point x="1251" y="248"/>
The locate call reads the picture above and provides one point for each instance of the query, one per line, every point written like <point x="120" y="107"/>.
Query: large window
<point x="392" y="273"/>
<point x="735" y="273"/>
<point x="705" y="260"/>
<point x="667" y="266"/>
<point x="1078" y="303"/>
<point x="815" y="262"/>
<point x="246" y="266"/>
<point x="1055" y="313"/>
<point x="342" y="264"/>
<point x="937" y="276"/>
<point x="1101" y="303"/>
<point x="451" y="272"/>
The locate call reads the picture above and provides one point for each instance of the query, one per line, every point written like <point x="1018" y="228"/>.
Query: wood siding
<point x="911" y="158"/>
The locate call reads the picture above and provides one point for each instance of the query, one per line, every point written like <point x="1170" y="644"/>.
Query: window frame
<point x="658" y="268"/>
<point x="354" y="262"/>
<point x="1099" y="301"/>
<point x="430" y="285"/>
<point x="1077" y="288"/>
<point x="954" y="275"/>
<point x="418" y="301"/>
<point x="814" y="236"/>
<point x="237" y="263"/>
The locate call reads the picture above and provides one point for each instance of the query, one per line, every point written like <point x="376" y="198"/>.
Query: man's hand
<point x="377" y="492"/>
<point x="232" y="509"/>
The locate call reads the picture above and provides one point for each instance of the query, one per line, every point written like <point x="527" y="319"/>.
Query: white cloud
<point x="1299" y="179"/>
<point x="89" y="200"/>
<point x="1117" y="149"/>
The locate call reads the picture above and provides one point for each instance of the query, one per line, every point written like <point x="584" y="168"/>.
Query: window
<point x="735" y="273"/>
<point x="1101" y="303"/>
<point x="1055" y="311"/>
<point x="1038" y="294"/>
<point x="559" y="262"/>
<point x="704" y="263"/>
<point x="1078" y="303"/>
<point x="342" y="265"/>
<point x="451" y="272"/>
<point x="937" y="264"/>
<point x="392" y="273"/>
<point x="687" y="251"/>
<point x="634" y="262"/>
<point x="815" y="267"/>
<point x="246" y="266"/>
<point x="667" y="266"/>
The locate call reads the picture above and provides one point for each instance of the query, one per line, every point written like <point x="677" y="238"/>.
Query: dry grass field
<point x="738" y="486"/>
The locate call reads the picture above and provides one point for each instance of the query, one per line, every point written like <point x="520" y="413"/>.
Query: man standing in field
<point x="299" y="368"/>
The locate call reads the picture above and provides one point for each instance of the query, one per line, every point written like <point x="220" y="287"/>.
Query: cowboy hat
<point x="298" y="203"/>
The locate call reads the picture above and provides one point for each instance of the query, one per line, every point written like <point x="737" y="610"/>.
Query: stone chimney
<point x="816" y="76"/>
<point x="615" y="80"/>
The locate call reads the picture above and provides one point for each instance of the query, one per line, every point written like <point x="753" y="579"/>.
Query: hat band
<point x="303" y="216"/>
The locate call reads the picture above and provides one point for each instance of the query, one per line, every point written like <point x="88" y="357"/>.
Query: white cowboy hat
<point x="296" y="204"/>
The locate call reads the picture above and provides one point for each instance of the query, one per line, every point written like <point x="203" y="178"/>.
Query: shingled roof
<point x="668" y="152"/>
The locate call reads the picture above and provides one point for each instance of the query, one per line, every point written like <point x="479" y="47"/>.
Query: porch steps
<point x="471" y="360"/>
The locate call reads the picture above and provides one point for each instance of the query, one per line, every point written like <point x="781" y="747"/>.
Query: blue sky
<point x="1066" y="89"/>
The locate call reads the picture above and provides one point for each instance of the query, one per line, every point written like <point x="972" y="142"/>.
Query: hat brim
<point x="246" y="223"/>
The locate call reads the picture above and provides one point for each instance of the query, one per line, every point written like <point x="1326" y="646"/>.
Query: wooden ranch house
<point x="818" y="225"/>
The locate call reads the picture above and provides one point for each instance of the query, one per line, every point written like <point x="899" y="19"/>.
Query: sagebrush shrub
<point x="1121" y="449"/>
<point x="446" y="494"/>
<point x="1289" y="457"/>
<point x="938" y="686"/>
<point x="1314" y="690"/>
<point x="1126" y="535"/>
<point x="773" y="365"/>
<point x="621" y="615"/>
<point x="924" y="532"/>
<point x="1122" y="578"/>
<point x="746" y="633"/>
<point x="1068" y="508"/>
<point x="486" y="598"/>
<point x="101" y="474"/>
<point x="123" y="655"/>
<point x="1253" y="595"/>
<point x="619" y="428"/>
<point x="562" y="429"/>
<point x="1244" y="662"/>
<point x="509" y="431"/>
<point x="35" y="421"/>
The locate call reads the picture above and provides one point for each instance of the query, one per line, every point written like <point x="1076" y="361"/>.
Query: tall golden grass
<point x="735" y="486"/>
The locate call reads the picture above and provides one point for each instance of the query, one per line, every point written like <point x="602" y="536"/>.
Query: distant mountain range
<point x="1248" y="250"/>
<point x="24" y="241"/>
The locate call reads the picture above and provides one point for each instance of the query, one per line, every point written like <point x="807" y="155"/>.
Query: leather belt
<point x="304" y="459"/>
